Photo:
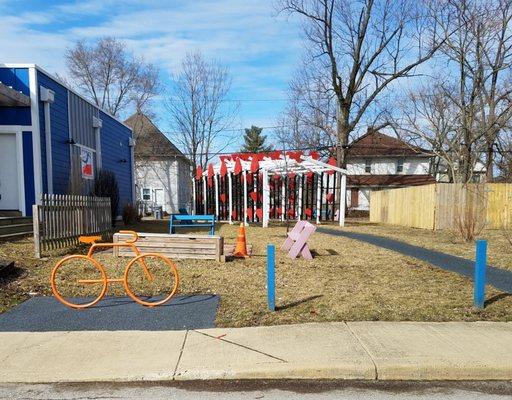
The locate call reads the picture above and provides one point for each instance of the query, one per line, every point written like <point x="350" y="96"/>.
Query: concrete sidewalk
<point x="353" y="350"/>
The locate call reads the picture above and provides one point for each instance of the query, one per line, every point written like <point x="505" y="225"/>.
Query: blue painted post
<point x="480" y="266"/>
<point x="271" y="277"/>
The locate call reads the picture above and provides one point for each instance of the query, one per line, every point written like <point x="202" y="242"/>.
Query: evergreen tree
<point x="254" y="141"/>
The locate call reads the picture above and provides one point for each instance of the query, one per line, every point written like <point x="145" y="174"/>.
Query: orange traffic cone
<point x="241" y="243"/>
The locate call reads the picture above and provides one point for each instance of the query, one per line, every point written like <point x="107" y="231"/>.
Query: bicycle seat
<point x="89" y="239"/>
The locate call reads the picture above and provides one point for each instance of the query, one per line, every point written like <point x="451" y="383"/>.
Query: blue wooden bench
<point x="183" y="211"/>
<point x="191" y="221"/>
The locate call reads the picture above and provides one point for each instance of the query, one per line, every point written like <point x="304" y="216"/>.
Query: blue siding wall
<point x="114" y="139"/>
<point x="28" y="171"/>
<point x="18" y="78"/>
<point x="60" y="134"/>
<point x="114" y="148"/>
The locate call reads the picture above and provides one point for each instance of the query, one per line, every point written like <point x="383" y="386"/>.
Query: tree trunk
<point x="489" y="161"/>
<point x="466" y="165"/>
<point x="342" y="134"/>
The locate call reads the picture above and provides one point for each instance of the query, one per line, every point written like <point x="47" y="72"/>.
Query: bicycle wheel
<point x="78" y="281"/>
<point x="151" y="279"/>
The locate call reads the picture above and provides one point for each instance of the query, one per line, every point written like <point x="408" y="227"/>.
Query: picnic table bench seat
<point x="297" y="241"/>
<point x="175" y="246"/>
<point x="293" y="235"/>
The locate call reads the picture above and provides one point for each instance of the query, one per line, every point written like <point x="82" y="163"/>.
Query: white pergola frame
<point x="269" y="167"/>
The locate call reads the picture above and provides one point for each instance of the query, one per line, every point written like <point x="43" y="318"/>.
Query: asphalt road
<point x="301" y="390"/>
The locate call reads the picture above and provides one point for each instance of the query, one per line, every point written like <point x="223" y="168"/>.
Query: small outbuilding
<point x="54" y="141"/>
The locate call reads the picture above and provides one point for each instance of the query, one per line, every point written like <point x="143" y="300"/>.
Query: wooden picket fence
<point x="61" y="219"/>
<point x="439" y="206"/>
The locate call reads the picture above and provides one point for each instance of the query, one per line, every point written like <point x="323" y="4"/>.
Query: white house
<point x="162" y="172"/>
<point x="378" y="161"/>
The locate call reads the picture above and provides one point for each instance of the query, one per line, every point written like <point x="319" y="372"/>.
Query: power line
<point x="171" y="100"/>
<point x="332" y="148"/>
<point x="223" y="153"/>
<point x="300" y="124"/>
<point x="227" y="100"/>
<point x="243" y="129"/>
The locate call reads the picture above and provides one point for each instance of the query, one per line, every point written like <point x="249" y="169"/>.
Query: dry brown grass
<point x="348" y="280"/>
<point x="446" y="241"/>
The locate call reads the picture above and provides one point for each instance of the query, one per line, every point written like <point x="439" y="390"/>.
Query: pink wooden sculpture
<point x="296" y="242"/>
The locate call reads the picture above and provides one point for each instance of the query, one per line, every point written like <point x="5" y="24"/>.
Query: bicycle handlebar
<point x="133" y="233"/>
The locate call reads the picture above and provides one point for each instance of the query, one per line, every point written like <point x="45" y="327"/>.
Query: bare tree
<point x="112" y="77"/>
<point x="478" y="53"/>
<point x="363" y="46"/>
<point x="309" y="120"/>
<point x="504" y="159"/>
<point x="462" y="112"/>
<point x="428" y="118"/>
<point x="495" y="60"/>
<point x="198" y="109"/>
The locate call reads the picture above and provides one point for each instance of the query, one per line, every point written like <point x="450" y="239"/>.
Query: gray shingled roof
<point x="149" y="140"/>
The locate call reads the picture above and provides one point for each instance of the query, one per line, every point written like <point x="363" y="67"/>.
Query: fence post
<point x="480" y="267"/>
<point x="37" y="232"/>
<point x="271" y="277"/>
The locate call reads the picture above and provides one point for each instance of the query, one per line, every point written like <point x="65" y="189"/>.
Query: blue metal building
<point x="52" y="140"/>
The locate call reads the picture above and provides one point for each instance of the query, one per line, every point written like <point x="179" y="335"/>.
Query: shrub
<point x="130" y="214"/>
<point x="470" y="211"/>
<point x="105" y="185"/>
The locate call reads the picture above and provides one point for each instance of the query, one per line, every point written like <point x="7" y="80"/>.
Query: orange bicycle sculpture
<point x="146" y="278"/>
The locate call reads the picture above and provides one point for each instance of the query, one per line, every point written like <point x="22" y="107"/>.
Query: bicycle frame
<point x="104" y="281"/>
<point x="128" y="243"/>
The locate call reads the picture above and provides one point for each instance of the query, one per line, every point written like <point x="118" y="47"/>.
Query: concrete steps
<point x="15" y="220"/>
<point x="12" y="228"/>
<point x="9" y="213"/>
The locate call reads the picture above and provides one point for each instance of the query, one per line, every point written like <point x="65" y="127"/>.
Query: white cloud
<point x="260" y="49"/>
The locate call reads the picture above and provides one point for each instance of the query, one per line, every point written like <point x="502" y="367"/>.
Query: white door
<point x="8" y="173"/>
<point x="159" y="197"/>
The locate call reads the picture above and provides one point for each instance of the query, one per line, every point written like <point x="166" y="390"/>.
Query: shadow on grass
<point x="496" y="298"/>
<point x="298" y="302"/>
<point x="324" y="254"/>
<point x="11" y="274"/>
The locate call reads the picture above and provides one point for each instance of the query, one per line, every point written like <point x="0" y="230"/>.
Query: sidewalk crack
<point x="179" y="357"/>
<point x="365" y="349"/>
<point x="243" y="346"/>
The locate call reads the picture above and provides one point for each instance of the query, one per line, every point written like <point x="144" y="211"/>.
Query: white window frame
<point x="368" y="165"/>
<point x="142" y="193"/>
<point x="400" y="164"/>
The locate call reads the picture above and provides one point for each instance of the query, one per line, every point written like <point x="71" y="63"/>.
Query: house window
<point x="146" y="194"/>
<point x="475" y="178"/>
<point x="368" y="165"/>
<point x="400" y="166"/>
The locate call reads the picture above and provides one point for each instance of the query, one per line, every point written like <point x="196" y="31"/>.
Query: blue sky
<point x="260" y="47"/>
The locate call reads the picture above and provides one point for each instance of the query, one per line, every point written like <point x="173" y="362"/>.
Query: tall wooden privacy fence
<point x="61" y="219"/>
<point x="442" y="205"/>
